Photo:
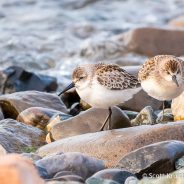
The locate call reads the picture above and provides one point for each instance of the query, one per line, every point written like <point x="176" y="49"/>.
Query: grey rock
<point x="89" y="121"/>
<point x="112" y="176"/>
<point x="78" y="163"/>
<point x="18" y="79"/>
<point x="15" y="103"/>
<point x="139" y="101"/>
<point x="18" y="137"/>
<point x="158" y="158"/>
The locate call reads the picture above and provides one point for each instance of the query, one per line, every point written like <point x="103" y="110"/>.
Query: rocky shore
<point x="46" y="139"/>
<point x="42" y="140"/>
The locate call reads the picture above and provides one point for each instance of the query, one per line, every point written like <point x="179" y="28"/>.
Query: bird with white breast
<point x="162" y="77"/>
<point x="103" y="86"/>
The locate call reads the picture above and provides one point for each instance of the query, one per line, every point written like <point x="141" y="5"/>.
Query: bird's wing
<point x="147" y="68"/>
<point x="115" y="78"/>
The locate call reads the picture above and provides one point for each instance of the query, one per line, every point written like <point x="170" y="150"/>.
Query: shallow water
<point x="53" y="36"/>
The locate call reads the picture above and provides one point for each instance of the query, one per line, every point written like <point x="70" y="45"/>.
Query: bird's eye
<point x="178" y="72"/>
<point x="80" y="78"/>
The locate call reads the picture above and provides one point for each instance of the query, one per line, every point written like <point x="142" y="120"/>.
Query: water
<point x="53" y="36"/>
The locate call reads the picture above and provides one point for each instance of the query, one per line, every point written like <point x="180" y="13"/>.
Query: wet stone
<point x="89" y="121"/>
<point x="112" y="176"/>
<point x="79" y="164"/>
<point x="158" y="158"/>
<point x="40" y="117"/>
<point x="18" y="79"/>
<point x="145" y="117"/>
<point x="18" y="137"/>
<point x="13" y="104"/>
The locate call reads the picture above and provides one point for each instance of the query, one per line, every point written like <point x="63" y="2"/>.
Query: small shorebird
<point x="162" y="77"/>
<point x="103" y="85"/>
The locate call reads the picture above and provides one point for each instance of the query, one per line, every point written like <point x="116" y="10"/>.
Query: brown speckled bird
<point x="162" y="77"/>
<point x="104" y="85"/>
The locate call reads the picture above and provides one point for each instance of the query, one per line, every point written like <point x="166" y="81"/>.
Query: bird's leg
<point x="163" y="110"/>
<point x="106" y="120"/>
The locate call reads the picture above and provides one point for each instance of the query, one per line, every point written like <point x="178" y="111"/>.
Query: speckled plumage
<point x="156" y="77"/>
<point x="115" y="78"/>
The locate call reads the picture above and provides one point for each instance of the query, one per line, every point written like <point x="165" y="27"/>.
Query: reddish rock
<point x="154" y="41"/>
<point x="111" y="146"/>
<point x="15" y="169"/>
<point x="39" y="116"/>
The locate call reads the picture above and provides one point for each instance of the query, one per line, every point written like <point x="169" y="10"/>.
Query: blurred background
<point x="51" y="37"/>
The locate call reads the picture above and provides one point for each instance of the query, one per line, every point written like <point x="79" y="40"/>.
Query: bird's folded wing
<point x="115" y="78"/>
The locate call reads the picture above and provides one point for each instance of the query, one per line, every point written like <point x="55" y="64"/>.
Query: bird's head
<point x="171" y="70"/>
<point x="80" y="78"/>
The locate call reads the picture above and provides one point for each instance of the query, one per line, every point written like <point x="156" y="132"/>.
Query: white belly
<point x="168" y="91"/>
<point x="101" y="97"/>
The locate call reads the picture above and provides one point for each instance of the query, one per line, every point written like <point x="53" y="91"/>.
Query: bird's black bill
<point x="175" y="80"/>
<point x="67" y="88"/>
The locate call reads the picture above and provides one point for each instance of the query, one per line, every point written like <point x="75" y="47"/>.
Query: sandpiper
<point x="103" y="85"/>
<point x="162" y="77"/>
